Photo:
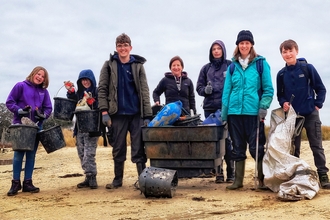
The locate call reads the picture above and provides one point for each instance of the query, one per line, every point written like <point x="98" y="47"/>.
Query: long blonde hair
<point x="35" y="71"/>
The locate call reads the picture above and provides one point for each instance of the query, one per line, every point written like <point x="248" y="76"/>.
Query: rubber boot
<point x="15" y="187"/>
<point x="324" y="181"/>
<point x="239" y="175"/>
<point x="119" y="174"/>
<point x="140" y="167"/>
<point x="29" y="187"/>
<point x="261" y="177"/>
<point x="92" y="182"/>
<point x="84" y="184"/>
<point x="230" y="171"/>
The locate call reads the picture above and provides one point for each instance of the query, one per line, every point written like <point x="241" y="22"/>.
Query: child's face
<point x="39" y="78"/>
<point x="290" y="56"/>
<point x="216" y="51"/>
<point x="123" y="49"/>
<point x="86" y="82"/>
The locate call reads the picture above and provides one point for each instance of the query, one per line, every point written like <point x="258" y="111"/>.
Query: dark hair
<point x="288" y="45"/>
<point x="123" y="38"/>
<point x="174" y="59"/>
<point x="35" y="71"/>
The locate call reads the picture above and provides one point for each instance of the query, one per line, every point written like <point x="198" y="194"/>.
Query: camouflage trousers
<point x="86" y="147"/>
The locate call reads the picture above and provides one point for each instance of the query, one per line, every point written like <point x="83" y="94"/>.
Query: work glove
<point x="25" y="111"/>
<point x="90" y="100"/>
<point x="38" y="115"/>
<point x="208" y="88"/>
<point x="146" y="122"/>
<point x="69" y="86"/>
<point x="262" y="113"/>
<point x="106" y="120"/>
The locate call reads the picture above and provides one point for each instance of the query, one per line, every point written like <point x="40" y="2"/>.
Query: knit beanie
<point x="244" y="35"/>
<point x="174" y="59"/>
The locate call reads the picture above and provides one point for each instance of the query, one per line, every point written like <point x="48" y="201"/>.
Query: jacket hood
<point x="170" y="74"/>
<point x="224" y="53"/>
<point x="136" y="58"/>
<point x="86" y="74"/>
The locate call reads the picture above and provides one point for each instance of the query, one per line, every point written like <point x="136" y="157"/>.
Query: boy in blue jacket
<point x="303" y="81"/>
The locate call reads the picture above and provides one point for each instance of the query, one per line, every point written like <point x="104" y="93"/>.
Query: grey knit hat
<point x="244" y="35"/>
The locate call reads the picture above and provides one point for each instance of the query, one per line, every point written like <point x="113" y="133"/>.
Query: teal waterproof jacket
<point x="240" y="95"/>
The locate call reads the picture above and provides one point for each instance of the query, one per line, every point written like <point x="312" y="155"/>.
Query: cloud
<point x="68" y="36"/>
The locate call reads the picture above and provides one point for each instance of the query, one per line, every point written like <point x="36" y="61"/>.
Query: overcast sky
<point x="68" y="36"/>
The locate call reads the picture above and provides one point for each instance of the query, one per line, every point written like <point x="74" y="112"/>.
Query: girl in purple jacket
<point x="29" y="98"/>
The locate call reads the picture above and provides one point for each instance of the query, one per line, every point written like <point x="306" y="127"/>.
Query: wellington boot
<point x="239" y="175"/>
<point x="230" y="171"/>
<point x="84" y="184"/>
<point x="119" y="174"/>
<point x="29" y="187"/>
<point x="261" y="176"/>
<point x="15" y="187"/>
<point x="140" y="167"/>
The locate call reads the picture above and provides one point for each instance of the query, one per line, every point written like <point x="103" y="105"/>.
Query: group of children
<point x="122" y="96"/>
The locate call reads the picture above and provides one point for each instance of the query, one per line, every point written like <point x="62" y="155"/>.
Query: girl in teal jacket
<point x="246" y="97"/>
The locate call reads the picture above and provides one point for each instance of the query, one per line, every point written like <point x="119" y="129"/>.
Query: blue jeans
<point x="29" y="163"/>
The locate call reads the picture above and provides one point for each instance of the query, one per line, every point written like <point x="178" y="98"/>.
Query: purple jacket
<point x="26" y="93"/>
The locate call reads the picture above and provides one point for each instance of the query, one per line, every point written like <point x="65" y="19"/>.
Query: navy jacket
<point x="215" y="72"/>
<point x="308" y="92"/>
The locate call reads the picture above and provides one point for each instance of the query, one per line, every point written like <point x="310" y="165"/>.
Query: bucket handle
<point x="59" y="90"/>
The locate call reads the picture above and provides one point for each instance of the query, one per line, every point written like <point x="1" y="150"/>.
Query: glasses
<point x="122" y="45"/>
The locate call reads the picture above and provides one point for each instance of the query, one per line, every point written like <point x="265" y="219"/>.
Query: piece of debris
<point x="71" y="175"/>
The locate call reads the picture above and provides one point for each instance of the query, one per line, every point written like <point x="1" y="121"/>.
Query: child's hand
<point x="38" y="115"/>
<point x="69" y="86"/>
<point x="90" y="100"/>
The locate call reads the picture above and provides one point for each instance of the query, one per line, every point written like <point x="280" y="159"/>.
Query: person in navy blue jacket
<point x="309" y="95"/>
<point x="210" y="84"/>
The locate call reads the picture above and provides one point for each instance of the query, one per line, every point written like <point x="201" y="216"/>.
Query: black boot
<point x="140" y="167"/>
<point x="261" y="177"/>
<point x="29" y="187"/>
<point x="92" y="182"/>
<point x="239" y="175"/>
<point x="219" y="178"/>
<point x="119" y="174"/>
<point x="230" y="171"/>
<point x="324" y="181"/>
<point x="15" y="187"/>
<point x="85" y="183"/>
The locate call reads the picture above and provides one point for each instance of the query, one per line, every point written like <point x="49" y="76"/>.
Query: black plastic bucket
<point x="64" y="108"/>
<point x="158" y="182"/>
<point x="88" y="120"/>
<point x="52" y="139"/>
<point x="22" y="137"/>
